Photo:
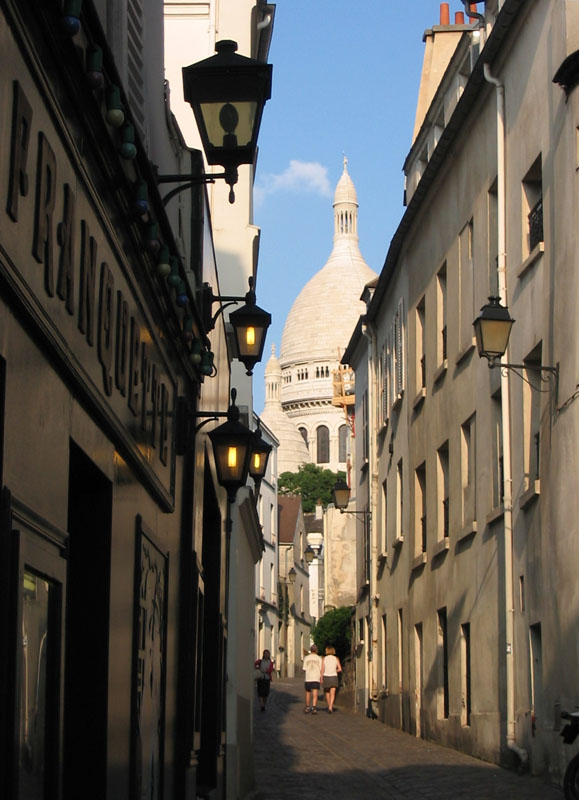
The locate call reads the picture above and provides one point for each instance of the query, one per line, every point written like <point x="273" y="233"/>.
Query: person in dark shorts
<point x="264" y="669"/>
<point x="330" y="668"/>
<point x="312" y="667"/>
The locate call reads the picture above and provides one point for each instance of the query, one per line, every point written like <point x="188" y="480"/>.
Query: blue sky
<point x="345" y="82"/>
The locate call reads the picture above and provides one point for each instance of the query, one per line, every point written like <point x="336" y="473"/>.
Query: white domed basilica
<point x="300" y="384"/>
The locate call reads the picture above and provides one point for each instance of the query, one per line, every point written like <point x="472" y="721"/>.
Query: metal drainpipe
<point x="265" y="23"/>
<point x="509" y="610"/>
<point x="370" y="520"/>
<point x="473" y="14"/>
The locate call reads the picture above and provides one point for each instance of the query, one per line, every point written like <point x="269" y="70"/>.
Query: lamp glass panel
<point x="230" y="124"/>
<point x="341" y="496"/>
<point x="230" y="460"/>
<point x="494" y="335"/>
<point x="249" y="339"/>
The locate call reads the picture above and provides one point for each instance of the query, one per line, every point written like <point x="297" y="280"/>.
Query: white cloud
<point x="300" y="176"/>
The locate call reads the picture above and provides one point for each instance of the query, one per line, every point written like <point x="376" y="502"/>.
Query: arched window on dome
<point x="342" y="443"/>
<point x="304" y="434"/>
<point x="323" y="444"/>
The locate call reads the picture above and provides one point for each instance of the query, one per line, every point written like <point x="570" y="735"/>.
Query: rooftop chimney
<point x="441" y="42"/>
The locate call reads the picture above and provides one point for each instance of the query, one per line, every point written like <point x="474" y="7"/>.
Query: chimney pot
<point x="445" y="13"/>
<point x="459" y="18"/>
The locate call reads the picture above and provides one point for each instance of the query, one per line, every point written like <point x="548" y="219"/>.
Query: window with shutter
<point x="135" y="62"/>
<point x="399" y="349"/>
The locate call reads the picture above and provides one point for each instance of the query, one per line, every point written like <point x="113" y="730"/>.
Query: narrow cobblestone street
<point x="347" y="756"/>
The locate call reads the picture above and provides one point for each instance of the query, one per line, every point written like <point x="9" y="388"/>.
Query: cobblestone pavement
<point x="348" y="756"/>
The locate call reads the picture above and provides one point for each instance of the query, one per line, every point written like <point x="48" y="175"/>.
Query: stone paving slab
<point x="348" y="756"/>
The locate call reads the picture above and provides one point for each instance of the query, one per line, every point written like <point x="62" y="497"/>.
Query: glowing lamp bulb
<point x="232" y="457"/>
<point x="250" y="336"/>
<point x="256" y="461"/>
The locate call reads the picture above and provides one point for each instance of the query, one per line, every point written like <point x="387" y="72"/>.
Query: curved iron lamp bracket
<point x="229" y="300"/>
<point x="184" y="433"/>
<point x="548" y="375"/>
<point x="230" y="176"/>
<point x="363" y="514"/>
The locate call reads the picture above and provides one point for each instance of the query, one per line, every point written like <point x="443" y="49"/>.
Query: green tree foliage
<point x="334" y="629"/>
<point x="311" y="482"/>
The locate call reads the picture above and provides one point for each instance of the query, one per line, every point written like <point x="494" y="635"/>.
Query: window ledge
<point x="398" y="400"/>
<point x="466" y="352"/>
<point x="531" y="494"/>
<point x="441" y="371"/>
<point x="419" y="397"/>
<point x="495" y="514"/>
<point x="399" y="541"/>
<point x="419" y="561"/>
<point x="441" y="547"/>
<point x="469" y="529"/>
<point x="533" y="257"/>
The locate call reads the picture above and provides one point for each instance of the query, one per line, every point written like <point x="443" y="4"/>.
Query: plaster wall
<point x="463" y="573"/>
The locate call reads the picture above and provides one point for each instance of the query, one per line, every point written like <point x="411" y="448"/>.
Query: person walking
<point x="312" y="666"/>
<point x="330" y="668"/>
<point x="264" y="670"/>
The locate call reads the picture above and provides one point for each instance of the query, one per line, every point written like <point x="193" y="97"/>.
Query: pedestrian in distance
<point x="264" y="667"/>
<point x="330" y="668"/>
<point x="312" y="667"/>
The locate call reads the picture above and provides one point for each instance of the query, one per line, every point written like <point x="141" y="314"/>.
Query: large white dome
<point x="327" y="309"/>
<point x="299" y="386"/>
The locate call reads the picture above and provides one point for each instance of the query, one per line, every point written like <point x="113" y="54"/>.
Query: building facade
<point x="468" y="610"/>
<point x="293" y="593"/>
<point x="115" y="543"/>
<point x="266" y="577"/>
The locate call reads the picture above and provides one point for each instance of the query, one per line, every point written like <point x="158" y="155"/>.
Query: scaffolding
<point x="343" y="381"/>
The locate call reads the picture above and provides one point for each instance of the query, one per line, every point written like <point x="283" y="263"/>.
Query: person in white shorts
<point x="312" y="666"/>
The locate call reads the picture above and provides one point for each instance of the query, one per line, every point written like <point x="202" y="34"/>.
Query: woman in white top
<point x="330" y="668"/>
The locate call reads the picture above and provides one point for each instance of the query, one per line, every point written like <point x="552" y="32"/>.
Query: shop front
<point x="109" y="575"/>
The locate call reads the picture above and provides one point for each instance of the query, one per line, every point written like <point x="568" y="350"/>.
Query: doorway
<point x="32" y="607"/>
<point x="87" y="628"/>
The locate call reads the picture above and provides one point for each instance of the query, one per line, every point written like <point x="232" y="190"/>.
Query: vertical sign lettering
<point x="105" y="338"/>
<point x="45" y="200"/>
<point x="21" y="122"/>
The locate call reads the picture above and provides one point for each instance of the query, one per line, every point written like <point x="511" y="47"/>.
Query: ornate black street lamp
<point x="260" y="453"/>
<point x="227" y="93"/>
<point x="492" y="330"/>
<point x="249" y="323"/>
